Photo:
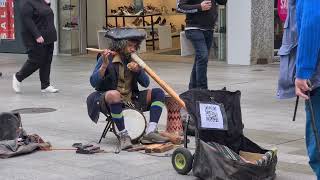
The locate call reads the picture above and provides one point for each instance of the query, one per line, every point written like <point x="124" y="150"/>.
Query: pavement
<point x="267" y="122"/>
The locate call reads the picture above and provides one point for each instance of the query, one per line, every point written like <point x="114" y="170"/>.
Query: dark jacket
<point x="195" y="17"/>
<point x="109" y="82"/>
<point x="37" y="20"/>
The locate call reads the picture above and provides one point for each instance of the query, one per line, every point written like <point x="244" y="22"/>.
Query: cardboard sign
<point x="7" y="19"/>
<point x="212" y="116"/>
<point x="283" y="9"/>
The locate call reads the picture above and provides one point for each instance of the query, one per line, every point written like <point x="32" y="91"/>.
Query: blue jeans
<point x="313" y="153"/>
<point x="201" y="41"/>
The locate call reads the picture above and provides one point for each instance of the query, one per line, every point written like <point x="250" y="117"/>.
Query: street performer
<point x="115" y="79"/>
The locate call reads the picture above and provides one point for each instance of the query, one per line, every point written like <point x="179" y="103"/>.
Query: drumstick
<point x="153" y="75"/>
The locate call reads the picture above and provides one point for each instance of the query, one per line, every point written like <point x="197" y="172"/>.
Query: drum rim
<point x="145" y="123"/>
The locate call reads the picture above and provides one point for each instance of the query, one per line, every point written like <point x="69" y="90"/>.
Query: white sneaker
<point x="16" y="85"/>
<point x="50" y="89"/>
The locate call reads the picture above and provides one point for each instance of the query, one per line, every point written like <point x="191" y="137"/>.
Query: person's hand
<point x="302" y="87"/>
<point x="106" y="53"/>
<point x="206" y="5"/>
<point x="133" y="66"/>
<point x="40" y="40"/>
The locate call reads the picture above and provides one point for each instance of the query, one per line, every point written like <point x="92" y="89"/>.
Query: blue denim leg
<point x="200" y="41"/>
<point x="208" y="35"/>
<point x="313" y="153"/>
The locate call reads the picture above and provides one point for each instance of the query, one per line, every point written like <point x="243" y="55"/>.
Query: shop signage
<point x="7" y="19"/>
<point x="282" y="9"/>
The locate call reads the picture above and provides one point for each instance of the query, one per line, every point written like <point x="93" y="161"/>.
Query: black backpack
<point x="10" y="126"/>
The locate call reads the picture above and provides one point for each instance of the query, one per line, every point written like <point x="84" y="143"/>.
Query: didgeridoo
<point x="153" y="75"/>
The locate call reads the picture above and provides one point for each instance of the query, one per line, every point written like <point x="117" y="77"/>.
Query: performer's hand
<point x="106" y="53"/>
<point x="40" y="40"/>
<point x="133" y="66"/>
<point x="301" y="88"/>
<point x="206" y="5"/>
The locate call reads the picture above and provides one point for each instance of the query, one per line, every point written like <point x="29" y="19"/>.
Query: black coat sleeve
<point x="185" y="7"/>
<point x="27" y="13"/>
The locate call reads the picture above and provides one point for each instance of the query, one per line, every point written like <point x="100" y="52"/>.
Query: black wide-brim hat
<point x="125" y="34"/>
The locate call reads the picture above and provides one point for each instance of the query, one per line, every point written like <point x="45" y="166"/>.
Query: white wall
<point x="95" y="20"/>
<point x="239" y="32"/>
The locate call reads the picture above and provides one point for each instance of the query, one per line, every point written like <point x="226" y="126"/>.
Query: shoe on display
<point x="16" y="85"/>
<point x="126" y="13"/>
<point x="147" y="23"/>
<point x="158" y="20"/>
<point x="164" y="10"/>
<point x="50" y="89"/>
<point x="139" y="13"/>
<point x="139" y="22"/>
<point x="113" y="11"/>
<point x="119" y="13"/>
<point x="135" y="20"/>
<point x="163" y="22"/>
<point x="173" y="28"/>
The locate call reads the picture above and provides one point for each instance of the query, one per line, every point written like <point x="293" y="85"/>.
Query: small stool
<point x="174" y="122"/>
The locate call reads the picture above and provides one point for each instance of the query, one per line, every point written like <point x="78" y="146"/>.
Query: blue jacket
<point x="109" y="82"/>
<point x="291" y="65"/>
<point x="308" y="22"/>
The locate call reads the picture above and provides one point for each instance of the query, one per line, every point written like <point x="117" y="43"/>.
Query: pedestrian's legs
<point x="45" y="68"/>
<point x="208" y="35"/>
<point x="35" y="57"/>
<point x="199" y="71"/>
<point x="193" y="77"/>
<point x="313" y="153"/>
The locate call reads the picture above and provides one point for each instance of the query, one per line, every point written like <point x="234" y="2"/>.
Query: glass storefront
<point x="79" y="21"/>
<point x="218" y="51"/>
<point x="72" y="26"/>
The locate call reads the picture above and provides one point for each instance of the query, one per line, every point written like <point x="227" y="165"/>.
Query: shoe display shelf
<point x="68" y="26"/>
<point x="162" y="33"/>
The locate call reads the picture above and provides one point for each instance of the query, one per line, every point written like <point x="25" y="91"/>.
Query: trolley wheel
<point x="182" y="160"/>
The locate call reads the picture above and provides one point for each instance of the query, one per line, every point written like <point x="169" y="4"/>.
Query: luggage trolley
<point x="222" y="151"/>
